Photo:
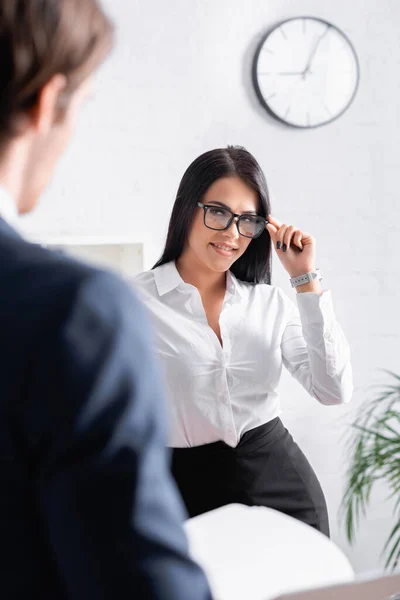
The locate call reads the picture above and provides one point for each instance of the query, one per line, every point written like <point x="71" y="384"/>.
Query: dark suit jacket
<point x="87" y="507"/>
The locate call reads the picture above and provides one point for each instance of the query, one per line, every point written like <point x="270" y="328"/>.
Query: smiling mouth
<point x="224" y="248"/>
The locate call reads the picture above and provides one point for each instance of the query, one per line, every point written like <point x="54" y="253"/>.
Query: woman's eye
<point x="217" y="212"/>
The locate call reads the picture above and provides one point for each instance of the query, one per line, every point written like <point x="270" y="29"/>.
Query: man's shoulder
<point x="38" y="269"/>
<point x="45" y="284"/>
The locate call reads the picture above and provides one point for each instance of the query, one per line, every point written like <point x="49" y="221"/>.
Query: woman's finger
<point x="307" y="239"/>
<point x="272" y="231"/>
<point x="298" y="236"/>
<point x="287" y="238"/>
<point x="279" y="237"/>
<point x="274" y="222"/>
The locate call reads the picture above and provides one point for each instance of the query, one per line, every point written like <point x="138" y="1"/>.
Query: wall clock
<point x="305" y="72"/>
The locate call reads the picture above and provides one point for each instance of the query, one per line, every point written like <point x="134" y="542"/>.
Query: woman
<point x="223" y="333"/>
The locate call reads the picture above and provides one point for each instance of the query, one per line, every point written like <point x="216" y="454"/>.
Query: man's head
<point x="48" y="52"/>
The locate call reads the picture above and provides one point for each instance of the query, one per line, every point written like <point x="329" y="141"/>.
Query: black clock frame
<point x="259" y="94"/>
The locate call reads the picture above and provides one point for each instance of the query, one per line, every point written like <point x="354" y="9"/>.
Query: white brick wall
<point x="179" y="84"/>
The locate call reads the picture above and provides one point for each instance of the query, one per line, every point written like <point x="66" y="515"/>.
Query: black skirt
<point x="267" y="468"/>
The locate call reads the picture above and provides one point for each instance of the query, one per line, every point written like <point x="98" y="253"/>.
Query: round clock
<point x="305" y="72"/>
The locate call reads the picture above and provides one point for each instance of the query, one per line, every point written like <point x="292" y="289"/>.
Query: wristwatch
<point x="306" y="278"/>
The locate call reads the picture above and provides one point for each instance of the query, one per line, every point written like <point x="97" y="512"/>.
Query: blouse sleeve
<point x="315" y="350"/>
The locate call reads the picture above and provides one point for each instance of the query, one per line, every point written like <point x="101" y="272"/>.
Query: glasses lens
<point x="251" y="226"/>
<point x="217" y="218"/>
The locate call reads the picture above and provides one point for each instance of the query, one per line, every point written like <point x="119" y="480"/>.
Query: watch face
<point x="306" y="72"/>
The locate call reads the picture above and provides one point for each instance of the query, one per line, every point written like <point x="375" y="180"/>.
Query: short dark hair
<point x="42" y="38"/>
<point x="254" y="265"/>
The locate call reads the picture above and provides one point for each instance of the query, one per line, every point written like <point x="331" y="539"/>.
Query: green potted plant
<point x="375" y="455"/>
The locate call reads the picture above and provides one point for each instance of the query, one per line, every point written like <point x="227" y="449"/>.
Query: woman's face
<point x="218" y="250"/>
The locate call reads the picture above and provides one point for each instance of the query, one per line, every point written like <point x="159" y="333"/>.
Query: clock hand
<point x="284" y="73"/>
<point x="289" y="73"/>
<point x="314" y="50"/>
<point x="310" y="58"/>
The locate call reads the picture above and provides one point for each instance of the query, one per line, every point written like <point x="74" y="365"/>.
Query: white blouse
<point x="219" y="393"/>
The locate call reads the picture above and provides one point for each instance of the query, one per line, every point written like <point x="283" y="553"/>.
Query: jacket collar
<point x="8" y="207"/>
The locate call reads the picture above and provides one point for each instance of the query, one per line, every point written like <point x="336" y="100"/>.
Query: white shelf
<point x="83" y="240"/>
<point x="123" y="256"/>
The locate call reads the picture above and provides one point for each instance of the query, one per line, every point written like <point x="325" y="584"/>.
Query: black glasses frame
<point x="207" y="207"/>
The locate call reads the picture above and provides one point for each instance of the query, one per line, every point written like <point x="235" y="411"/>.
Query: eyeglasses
<point x="219" y="218"/>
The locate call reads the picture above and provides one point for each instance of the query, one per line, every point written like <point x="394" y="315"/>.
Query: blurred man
<point x="87" y="508"/>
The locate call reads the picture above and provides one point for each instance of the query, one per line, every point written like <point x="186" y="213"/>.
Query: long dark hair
<point x="254" y="265"/>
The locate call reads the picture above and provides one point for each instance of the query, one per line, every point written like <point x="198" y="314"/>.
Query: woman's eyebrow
<point x="246" y="212"/>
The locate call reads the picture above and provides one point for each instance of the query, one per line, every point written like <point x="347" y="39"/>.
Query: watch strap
<point x="306" y="278"/>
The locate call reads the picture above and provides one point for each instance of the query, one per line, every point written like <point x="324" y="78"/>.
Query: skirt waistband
<point x="250" y="441"/>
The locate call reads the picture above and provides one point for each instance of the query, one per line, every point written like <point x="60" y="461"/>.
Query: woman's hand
<point x="295" y="248"/>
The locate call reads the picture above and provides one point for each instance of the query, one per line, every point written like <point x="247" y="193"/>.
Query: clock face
<point x="306" y="72"/>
